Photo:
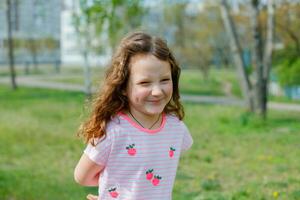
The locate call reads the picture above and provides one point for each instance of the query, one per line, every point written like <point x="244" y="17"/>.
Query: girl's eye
<point x="144" y="83"/>
<point x="165" y="80"/>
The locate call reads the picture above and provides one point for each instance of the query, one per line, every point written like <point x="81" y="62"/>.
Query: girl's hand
<point x="91" y="197"/>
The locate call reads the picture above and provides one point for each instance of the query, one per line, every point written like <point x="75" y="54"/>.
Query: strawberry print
<point x="171" y="152"/>
<point x="149" y="174"/>
<point x="156" y="180"/>
<point x="131" y="150"/>
<point x="113" y="193"/>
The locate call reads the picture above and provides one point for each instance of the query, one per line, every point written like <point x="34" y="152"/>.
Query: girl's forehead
<point x="147" y="61"/>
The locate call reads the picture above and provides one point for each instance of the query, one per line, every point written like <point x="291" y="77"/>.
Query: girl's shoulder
<point x="114" y="124"/>
<point x="111" y="131"/>
<point x="173" y="118"/>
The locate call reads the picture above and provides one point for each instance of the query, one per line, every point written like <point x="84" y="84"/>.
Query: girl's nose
<point x="157" y="91"/>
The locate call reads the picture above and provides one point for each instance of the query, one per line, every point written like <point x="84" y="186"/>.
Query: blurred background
<point x="240" y="86"/>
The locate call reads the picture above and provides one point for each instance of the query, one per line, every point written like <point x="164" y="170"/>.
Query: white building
<point x="35" y="28"/>
<point x="71" y="49"/>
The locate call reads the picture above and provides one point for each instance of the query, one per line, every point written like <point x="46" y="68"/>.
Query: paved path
<point x="238" y="102"/>
<point x="39" y="82"/>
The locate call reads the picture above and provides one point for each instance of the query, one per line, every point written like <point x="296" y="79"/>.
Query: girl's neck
<point x="146" y="121"/>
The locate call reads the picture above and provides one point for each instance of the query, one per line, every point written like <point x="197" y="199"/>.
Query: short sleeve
<point x="187" y="139"/>
<point x="99" y="153"/>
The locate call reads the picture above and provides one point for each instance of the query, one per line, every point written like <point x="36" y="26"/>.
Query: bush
<point x="289" y="73"/>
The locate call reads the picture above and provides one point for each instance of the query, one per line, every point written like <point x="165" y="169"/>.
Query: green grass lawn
<point x="237" y="156"/>
<point x="234" y="156"/>
<point x="193" y="82"/>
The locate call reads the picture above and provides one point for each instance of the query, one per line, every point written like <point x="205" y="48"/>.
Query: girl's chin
<point x="150" y="110"/>
<point x="154" y="111"/>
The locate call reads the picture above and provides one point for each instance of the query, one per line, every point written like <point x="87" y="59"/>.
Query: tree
<point x="10" y="46"/>
<point x="195" y="32"/>
<point x="287" y="58"/>
<point x="94" y="18"/>
<point x="255" y="92"/>
<point x="82" y="24"/>
<point x="287" y="26"/>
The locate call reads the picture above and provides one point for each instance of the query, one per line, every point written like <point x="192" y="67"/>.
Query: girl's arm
<point x="87" y="172"/>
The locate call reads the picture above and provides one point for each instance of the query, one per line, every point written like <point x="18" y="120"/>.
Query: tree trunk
<point x="262" y="57"/>
<point x="10" y="46"/>
<point x="267" y="59"/>
<point x="257" y="57"/>
<point x="84" y="42"/>
<point x="33" y="51"/>
<point x="237" y="55"/>
<point x="256" y="94"/>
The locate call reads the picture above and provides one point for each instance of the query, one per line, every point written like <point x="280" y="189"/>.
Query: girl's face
<point x="150" y="87"/>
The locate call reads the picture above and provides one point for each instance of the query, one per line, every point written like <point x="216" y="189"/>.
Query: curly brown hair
<point x="111" y="99"/>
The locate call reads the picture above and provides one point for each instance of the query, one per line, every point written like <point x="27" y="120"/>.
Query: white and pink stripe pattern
<point x="140" y="164"/>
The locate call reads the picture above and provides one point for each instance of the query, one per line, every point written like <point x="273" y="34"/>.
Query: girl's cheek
<point x="142" y="91"/>
<point x="169" y="87"/>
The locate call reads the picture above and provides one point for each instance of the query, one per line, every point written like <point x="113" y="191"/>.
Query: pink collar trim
<point x="133" y="123"/>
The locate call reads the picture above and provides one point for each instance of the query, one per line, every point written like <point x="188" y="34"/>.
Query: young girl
<point x="135" y="133"/>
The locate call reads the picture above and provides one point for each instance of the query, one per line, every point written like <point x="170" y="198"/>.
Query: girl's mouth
<point x="155" y="101"/>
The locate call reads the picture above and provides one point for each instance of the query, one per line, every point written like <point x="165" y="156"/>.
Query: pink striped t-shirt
<point x="140" y="164"/>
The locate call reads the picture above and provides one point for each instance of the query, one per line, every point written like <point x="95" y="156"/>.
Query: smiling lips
<point x="154" y="101"/>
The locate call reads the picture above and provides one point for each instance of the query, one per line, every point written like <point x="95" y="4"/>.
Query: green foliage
<point x="288" y="55"/>
<point x="289" y="74"/>
<point x="197" y="38"/>
<point x="287" y="27"/>
<point x="116" y="17"/>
